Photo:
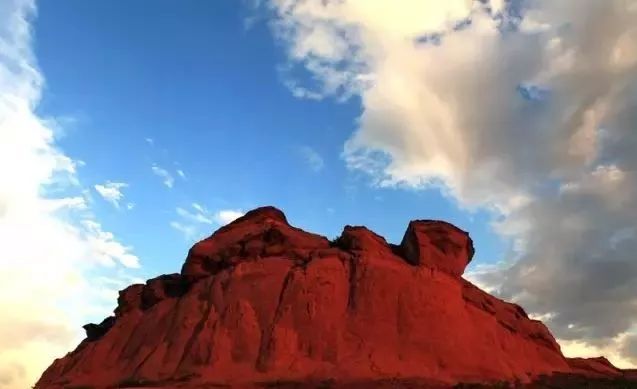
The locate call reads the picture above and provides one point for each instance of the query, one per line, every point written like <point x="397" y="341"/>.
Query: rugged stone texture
<point x="437" y="244"/>
<point x="600" y="367"/>
<point x="261" y="233"/>
<point x="261" y="302"/>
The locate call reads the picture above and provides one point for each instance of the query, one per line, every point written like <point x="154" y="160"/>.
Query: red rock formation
<point x="594" y="367"/>
<point x="261" y="301"/>
<point x="439" y="245"/>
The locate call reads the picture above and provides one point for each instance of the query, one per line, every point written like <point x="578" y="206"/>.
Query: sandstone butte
<point x="261" y="303"/>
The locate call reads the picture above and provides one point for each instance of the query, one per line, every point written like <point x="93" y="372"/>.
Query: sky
<point x="130" y="130"/>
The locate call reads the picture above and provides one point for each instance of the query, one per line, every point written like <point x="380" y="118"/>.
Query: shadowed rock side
<point x="263" y="303"/>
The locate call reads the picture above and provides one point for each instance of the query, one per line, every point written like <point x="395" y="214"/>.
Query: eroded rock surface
<point x="437" y="244"/>
<point x="261" y="301"/>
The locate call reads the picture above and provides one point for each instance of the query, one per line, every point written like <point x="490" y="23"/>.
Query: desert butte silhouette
<point x="261" y="303"/>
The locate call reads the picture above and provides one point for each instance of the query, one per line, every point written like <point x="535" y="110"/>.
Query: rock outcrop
<point x="263" y="302"/>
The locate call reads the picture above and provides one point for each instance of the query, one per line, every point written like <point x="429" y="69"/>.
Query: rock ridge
<point x="262" y="301"/>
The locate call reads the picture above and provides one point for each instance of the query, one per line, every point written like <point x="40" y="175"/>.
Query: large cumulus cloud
<point x="525" y="107"/>
<point x="51" y="245"/>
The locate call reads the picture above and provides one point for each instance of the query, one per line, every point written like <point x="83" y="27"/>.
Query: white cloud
<point x="629" y="347"/>
<point x="614" y="350"/>
<point x="46" y="253"/>
<point x="181" y="174"/>
<point x="199" y="217"/>
<point x="166" y="177"/>
<point x="150" y="141"/>
<point x="73" y="203"/>
<point x="111" y="192"/>
<point x="192" y="221"/>
<point x="105" y="249"/>
<point x="226" y="216"/>
<point x="190" y="232"/>
<point x="527" y="110"/>
<point x="312" y="158"/>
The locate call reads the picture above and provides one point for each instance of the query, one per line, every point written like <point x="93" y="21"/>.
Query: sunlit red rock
<point x="437" y="244"/>
<point x="263" y="302"/>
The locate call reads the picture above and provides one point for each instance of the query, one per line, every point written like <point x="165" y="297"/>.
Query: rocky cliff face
<point x="261" y="301"/>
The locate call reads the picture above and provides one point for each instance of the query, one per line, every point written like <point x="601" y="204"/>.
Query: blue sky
<point x="129" y="130"/>
<point x="205" y="88"/>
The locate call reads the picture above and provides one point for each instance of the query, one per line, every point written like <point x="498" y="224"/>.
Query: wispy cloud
<point x="105" y="248"/>
<point x="193" y="220"/>
<point x="150" y="141"/>
<point x="312" y="158"/>
<point x="199" y="207"/>
<point x="181" y="174"/>
<point x="74" y="203"/>
<point x="189" y="231"/>
<point x="200" y="216"/>
<point x="166" y="177"/>
<point x="39" y="283"/>
<point x="111" y="192"/>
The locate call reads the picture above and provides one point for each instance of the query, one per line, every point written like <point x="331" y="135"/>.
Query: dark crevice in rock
<point x="214" y="266"/>
<point x="520" y="311"/>
<point x="398" y="251"/>
<point x="508" y="326"/>
<point x="349" y="243"/>
<point x="542" y="339"/>
<point x="340" y="242"/>
<point x="140" y="364"/>
<point x="130" y="334"/>
<point x="199" y="327"/>
<point x="165" y="340"/>
<point x="176" y="286"/>
<point x="129" y="299"/>
<point x="266" y="334"/>
<point x="351" y="295"/>
<point x="175" y="323"/>
<point x="139" y="338"/>
<point x="470" y="249"/>
<point x="273" y="236"/>
<point x="279" y="306"/>
<point x="164" y="287"/>
<point x="96" y="331"/>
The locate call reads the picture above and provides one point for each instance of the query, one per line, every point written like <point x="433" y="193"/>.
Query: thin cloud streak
<point x="312" y="158"/>
<point x="167" y="178"/>
<point x="193" y="222"/>
<point x="111" y="192"/>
